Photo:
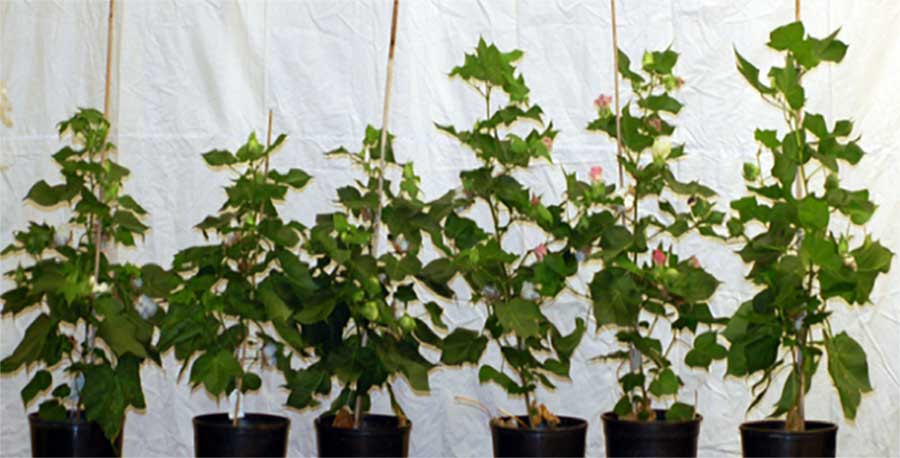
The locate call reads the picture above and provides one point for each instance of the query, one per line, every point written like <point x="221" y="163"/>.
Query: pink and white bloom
<point x="695" y="262"/>
<point x="596" y="173"/>
<point x="548" y="142"/>
<point x="535" y="200"/>
<point x="655" y="123"/>
<point x="659" y="257"/>
<point x="540" y="251"/>
<point x="603" y="102"/>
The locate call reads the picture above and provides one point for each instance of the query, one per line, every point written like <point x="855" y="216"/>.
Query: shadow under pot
<point x="651" y="438"/>
<point x="256" y="434"/>
<point x="769" y="438"/>
<point x="566" y="439"/>
<point x="74" y="436"/>
<point x="377" y="435"/>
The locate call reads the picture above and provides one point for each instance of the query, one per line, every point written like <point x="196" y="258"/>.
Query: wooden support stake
<point x="376" y="222"/>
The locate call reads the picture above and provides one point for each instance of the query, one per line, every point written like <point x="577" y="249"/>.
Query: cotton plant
<point x="513" y="287"/>
<point x="95" y="317"/>
<point x="365" y="324"/>
<point x="644" y="281"/>
<point x="805" y="237"/>
<point x="239" y="289"/>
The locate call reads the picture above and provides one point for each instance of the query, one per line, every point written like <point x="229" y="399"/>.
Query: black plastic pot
<point x="651" y="438"/>
<point x="378" y="435"/>
<point x="769" y="438"/>
<point x="255" y="435"/>
<point x="73" y="437"/>
<point x="567" y="439"/>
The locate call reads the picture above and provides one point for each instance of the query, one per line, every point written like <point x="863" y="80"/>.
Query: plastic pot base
<point x="567" y="439"/>
<point x="769" y="438"/>
<point x="650" y="438"/>
<point x="75" y="437"/>
<point x="255" y="435"/>
<point x="378" y="435"/>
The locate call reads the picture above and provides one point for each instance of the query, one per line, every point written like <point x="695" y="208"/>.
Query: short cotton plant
<point x="95" y="317"/>
<point x="238" y="289"/>
<point x="364" y="324"/>
<point x="513" y="287"/>
<point x="643" y="282"/>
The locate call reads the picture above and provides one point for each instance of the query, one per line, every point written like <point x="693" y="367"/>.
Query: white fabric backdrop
<point x="194" y="75"/>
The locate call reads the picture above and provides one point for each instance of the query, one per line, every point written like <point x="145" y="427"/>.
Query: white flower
<point x="147" y="307"/>
<point x="5" y="106"/>
<point x="528" y="292"/>
<point x="268" y="353"/>
<point x="98" y="288"/>
<point x="661" y="149"/>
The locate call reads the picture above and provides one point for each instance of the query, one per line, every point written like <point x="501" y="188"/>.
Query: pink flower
<point x="603" y="101"/>
<point x="655" y="123"/>
<point x="540" y="251"/>
<point x="548" y="142"/>
<point x="659" y="257"/>
<point x="596" y="173"/>
<point x="695" y="262"/>
<point x="535" y="200"/>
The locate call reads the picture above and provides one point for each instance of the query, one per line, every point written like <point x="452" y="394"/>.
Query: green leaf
<point x="680" y="412"/>
<point x="751" y="74"/>
<point x="30" y="347"/>
<point x="216" y="371"/>
<point x="705" y="350"/>
<point x="120" y="334"/>
<point x="520" y="316"/>
<point x="295" y="178"/>
<point x="787" y="36"/>
<point x="40" y="382"/>
<point x="489" y="374"/>
<point x="217" y="158"/>
<point x="813" y="212"/>
<point x="616" y="297"/>
<point x="52" y="411"/>
<point x="45" y="195"/>
<point x="463" y="346"/>
<point x="666" y="383"/>
<point x="662" y="102"/>
<point x="434" y="312"/>
<point x="849" y="371"/>
<point x="276" y="309"/>
<point x="103" y="399"/>
<point x="250" y="382"/>
<point x="788" y="395"/>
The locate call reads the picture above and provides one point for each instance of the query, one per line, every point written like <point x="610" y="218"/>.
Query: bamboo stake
<point x="634" y="354"/>
<point x="376" y="222"/>
<point x="98" y="229"/>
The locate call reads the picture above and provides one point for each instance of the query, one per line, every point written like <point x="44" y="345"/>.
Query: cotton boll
<point x="137" y="283"/>
<point x="268" y="353"/>
<point x="529" y="293"/>
<point x="147" y="307"/>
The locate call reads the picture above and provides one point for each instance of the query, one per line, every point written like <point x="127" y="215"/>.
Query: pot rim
<point x="267" y="421"/>
<point x="612" y="417"/>
<point x="318" y="423"/>
<point x="81" y="421"/>
<point x="580" y="423"/>
<point x="821" y="427"/>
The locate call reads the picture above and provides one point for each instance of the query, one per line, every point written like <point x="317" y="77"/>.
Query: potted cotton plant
<point x="235" y="292"/>
<point x="650" y="293"/>
<point x="513" y="287"/>
<point x="364" y="325"/>
<point x="804" y="236"/>
<point x="93" y="318"/>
